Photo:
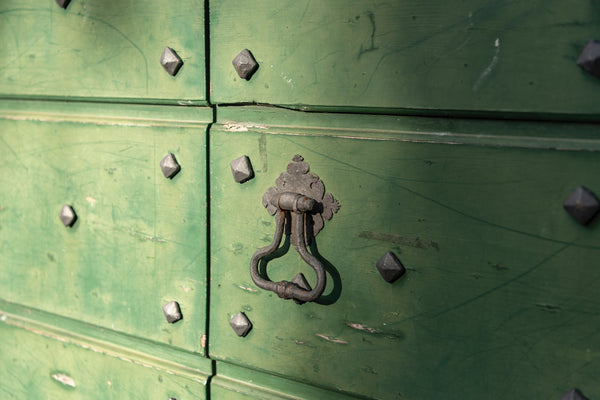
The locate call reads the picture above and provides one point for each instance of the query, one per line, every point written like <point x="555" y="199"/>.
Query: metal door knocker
<point x="299" y="203"/>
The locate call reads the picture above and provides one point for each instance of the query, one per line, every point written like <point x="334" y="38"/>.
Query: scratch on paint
<point x="145" y="236"/>
<point x="247" y="288"/>
<point x="330" y="339"/>
<point x="486" y="72"/>
<point x="64" y="379"/>
<point x="362" y="327"/>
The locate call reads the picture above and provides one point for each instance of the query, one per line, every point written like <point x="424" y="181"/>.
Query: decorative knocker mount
<point x="300" y="205"/>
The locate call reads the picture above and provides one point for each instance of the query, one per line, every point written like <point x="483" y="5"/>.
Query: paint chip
<point x="64" y="379"/>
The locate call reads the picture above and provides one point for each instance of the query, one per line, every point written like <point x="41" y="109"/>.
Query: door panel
<point x="473" y="56"/>
<point x="102" y="50"/>
<point x="499" y="282"/>
<point x="38" y="367"/>
<point x="139" y="239"/>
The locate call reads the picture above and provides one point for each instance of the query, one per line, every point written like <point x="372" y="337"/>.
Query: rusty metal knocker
<point x="299" y="198"/>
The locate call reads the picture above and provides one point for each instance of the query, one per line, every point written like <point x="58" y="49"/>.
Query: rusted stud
<point x="573" y="394"/>
<point x="245" y="64"/>
<point x="300" y="281"/>
<point x="390" y="267"/>
<point x="63" y="3"/>
<point x="582" y="205"/>
<point x="172" y="312"/>
<point x="240" y="324"/>
<point x="241" y="168"/>
<point x="169" y="166"/>
<point x="589" y="59"/>
<point x="68" y="216"/>
<point x="170" y="61"/>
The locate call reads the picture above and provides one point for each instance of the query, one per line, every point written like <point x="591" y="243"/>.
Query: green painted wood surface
<point x="236" y="383"/>
<point x="38" y="367"/>
<point x="102" y="50"/>
<point x="500" y="296"/>
<point x="139" y="241"/>
<point x="485" y="57"/>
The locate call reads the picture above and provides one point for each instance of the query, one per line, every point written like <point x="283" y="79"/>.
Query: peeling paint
<point x="91" y="200"/>
<point x="331" y="339"/>
<point x="362" y="327"/>
<point x="231" y="127"/>
<point x="64" y="379"/>
<point x="203" y="341"/>
<point x="247" y="289"/>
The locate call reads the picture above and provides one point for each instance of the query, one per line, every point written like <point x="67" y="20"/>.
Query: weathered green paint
<point x="480" y="57"/>
<point x="35" y="366"/>
<point x="139" y="241"/>
<point x="102" y="50"/>
<point x="236" y="383"/>
<point x="499" y="282"/>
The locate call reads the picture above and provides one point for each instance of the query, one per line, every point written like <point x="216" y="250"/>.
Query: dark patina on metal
<point x="589" y="59"/>
<point x="240" y="324"/>
<point x="245" y="64"/>
<point x="241" y="168"/>
<point x="573" y="394"/>
<point x="172" y="312"/>
<point x="63" y="3"/>
<point x="298" y="201"/>
<point x="170" y="61"/>
<point x="390" y="267"/>
<point x="582" y="205"/>
<point x="169" y="166"/>
<point x="68" y="216"/>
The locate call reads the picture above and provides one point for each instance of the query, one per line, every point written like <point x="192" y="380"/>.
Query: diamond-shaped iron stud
<point x="245" y="64"/>
<point x="67" y="216"/>
<point x="63" y="3"/>
<point x="573" y="394"/>
<point x="390" y="267"/>
<point x="172" y="312"/>
<point x="240" y="324"/>
<point x="582" y="205"/>
<point x="589" y="59"/>
<point x="170" y="61"/>
<point x="169" y="166"/>
<point x="302" y="283"/>
<point x="241" y="168"/>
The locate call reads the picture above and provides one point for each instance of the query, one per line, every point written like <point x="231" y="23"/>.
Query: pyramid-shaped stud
<point x="589" y="59"/>
<point x="170" y="61"/>
<point x="169" y="166"/>
<point x="582" y="205"/>
<point x="573" y="394"/>
<point x="302" y="283"/>
<point x="390" y="267"/>
<point x="67" y="216"/>
<point x="245" y="64"/>
<point x="240" y="324"/>
<point x="172" y="312"/>
<point x="63" y="3"/>
<point x="241" y="168"/>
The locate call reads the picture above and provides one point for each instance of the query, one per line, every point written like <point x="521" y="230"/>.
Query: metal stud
<point x="172" y="312"/>
<point x="63" y="3"/>
<point x="245" y="64"/>
<point x="390" y="267"/>
<point x="68" y="216"/>
<point x="169" y="166"/>
<point x="582" y="205"/>
<point x="170" y="61"/>
<point x="589" y="59"/>
<point x="302" y="283"/>
<point x="573" y="394"/>
<point x="241" y="168"/>
<point x="240" y="324"/>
